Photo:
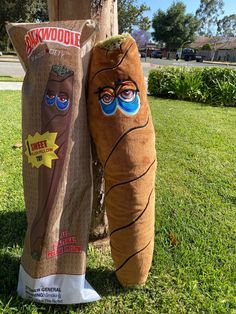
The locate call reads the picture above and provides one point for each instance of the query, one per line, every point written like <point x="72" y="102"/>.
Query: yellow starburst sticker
<point x="40" y="149"/>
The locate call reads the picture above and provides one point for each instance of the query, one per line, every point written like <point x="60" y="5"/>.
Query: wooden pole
<point x="68" y="10"/>
<point x="53" y="10"/>
<point x="106" y="16"/>
<point x="105" y="13"/>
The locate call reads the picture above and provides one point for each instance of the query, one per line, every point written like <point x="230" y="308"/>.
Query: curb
<point x="9" y="60"/>
<point x="150" y="64"/>
<point x="220" y="63"/>
<point x="10" y="86"/>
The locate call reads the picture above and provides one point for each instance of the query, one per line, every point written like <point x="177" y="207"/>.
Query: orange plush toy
<point x="122" y="129"/>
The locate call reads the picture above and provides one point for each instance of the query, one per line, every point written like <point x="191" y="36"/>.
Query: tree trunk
<point x="105" y="13"/>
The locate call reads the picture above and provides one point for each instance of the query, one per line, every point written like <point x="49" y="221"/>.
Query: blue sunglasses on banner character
<point x="124" y="96"/>
<point x="61" y="100"/>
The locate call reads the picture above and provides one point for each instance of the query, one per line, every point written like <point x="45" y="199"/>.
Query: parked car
<point x="199" y="58"/>
<point x="156" y="54"/>
<point x="188" y="54"/>
<point x="142" y="54"/>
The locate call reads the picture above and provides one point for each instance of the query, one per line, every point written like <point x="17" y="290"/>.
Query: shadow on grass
<point x="13" y="228"/>
<point x="8" y="273"/>
<point x="104" y="281"/>
<point x="230" y="199"/>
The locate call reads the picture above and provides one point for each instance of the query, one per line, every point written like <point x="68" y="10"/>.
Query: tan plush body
<point x="122" y="129"/>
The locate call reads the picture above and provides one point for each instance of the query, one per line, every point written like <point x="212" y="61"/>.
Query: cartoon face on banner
<point x="61" y="100"/>
<point x="57" y="98"/>
<point x="59" y="87"/>
<point x="123" y="96"/>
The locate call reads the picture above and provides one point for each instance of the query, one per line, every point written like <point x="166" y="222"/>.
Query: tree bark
<point x="105" y="13"/>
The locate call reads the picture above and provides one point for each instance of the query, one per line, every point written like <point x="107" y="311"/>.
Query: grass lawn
<point x="11" y="79"/>
<point x="194" y="266"/>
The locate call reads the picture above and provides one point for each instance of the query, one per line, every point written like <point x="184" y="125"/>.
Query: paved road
<point x="183" y="63"/>
<point x="15" y="68"/>
<point x="151" y="63"/>
<point x="11" y="69"/>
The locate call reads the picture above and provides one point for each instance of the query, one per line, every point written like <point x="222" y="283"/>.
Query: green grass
<point x="11" y="79"/>
<point x="194" y="269"/>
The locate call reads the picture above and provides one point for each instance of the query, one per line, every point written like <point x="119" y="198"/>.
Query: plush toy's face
<point x="123" y="95"/>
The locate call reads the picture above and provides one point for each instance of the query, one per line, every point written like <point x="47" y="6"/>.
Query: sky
<point x="191" y="6"/>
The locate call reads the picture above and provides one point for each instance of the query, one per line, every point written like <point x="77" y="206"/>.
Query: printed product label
<point x="56" y="289"/>
<point x="40" y="35"/>
<point x="67" y="244"/>
<point x="40" y="149"/>
<point x="49" y="294"/>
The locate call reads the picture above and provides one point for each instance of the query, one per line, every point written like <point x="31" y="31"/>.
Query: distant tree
<point x="174" y="27"/>
<point x="142" y="37"/>
<point x="130" y="14"/>
<point x="145" y="24"/>
<point x="208" y="15"/>
<point x="227" y="26"/>
<point x="206" y="47"/>
<point x="20" y="11"/>
<point x="37" y="10"/>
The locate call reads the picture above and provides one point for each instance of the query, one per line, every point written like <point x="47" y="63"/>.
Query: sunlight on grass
<point x="193" y="269"/>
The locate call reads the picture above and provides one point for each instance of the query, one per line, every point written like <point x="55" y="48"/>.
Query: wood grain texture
<point x="104" y="13"/>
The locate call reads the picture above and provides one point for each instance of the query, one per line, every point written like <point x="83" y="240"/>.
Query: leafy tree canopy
<point x="174" y="27"/>
<point x="208" y="15"/>
<point x="130" y="14"/>
<point x="227" y="26"/>
<point x="20" y="11"/>
<point x="206" y="47"/>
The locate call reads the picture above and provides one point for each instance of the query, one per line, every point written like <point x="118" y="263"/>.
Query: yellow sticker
<point x="40" y="149"/>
